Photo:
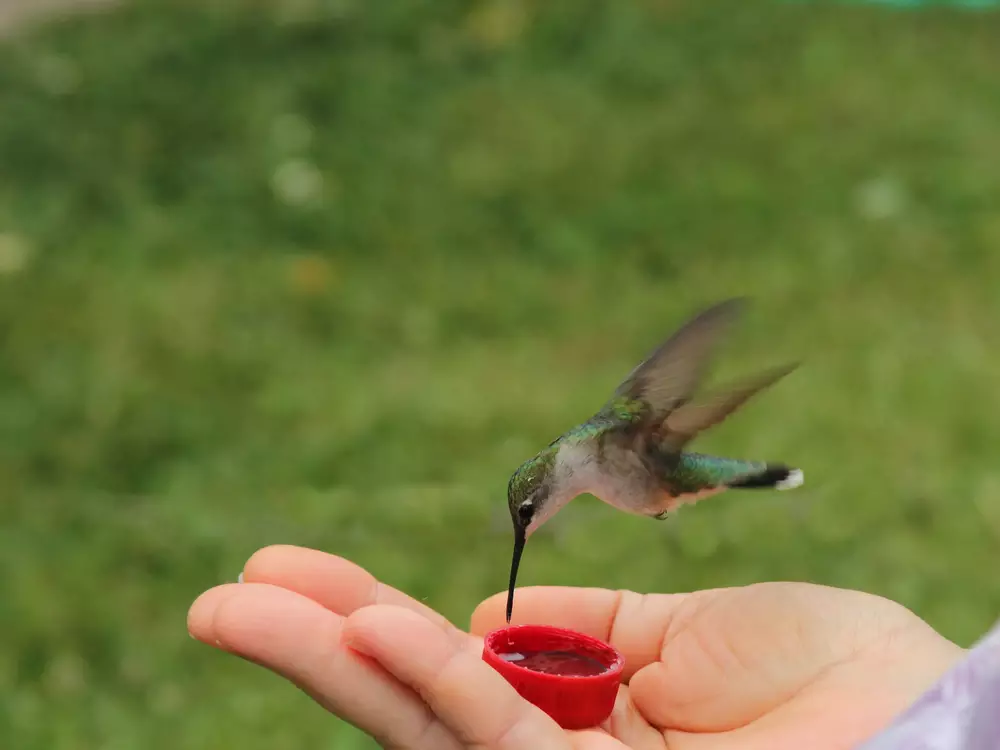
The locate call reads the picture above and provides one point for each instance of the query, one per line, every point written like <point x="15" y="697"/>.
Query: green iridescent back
<point x="621" y="410"/>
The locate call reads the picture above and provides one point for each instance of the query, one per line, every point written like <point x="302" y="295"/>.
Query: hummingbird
<point x="631" y="453"/>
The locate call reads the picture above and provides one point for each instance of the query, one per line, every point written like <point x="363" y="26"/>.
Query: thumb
<point x="737" y="654"/>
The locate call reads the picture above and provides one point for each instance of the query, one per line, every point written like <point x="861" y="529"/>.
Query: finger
<point x="200" y="615"/>
<point x="635" y="624"/>
<point x="469" y="697"/>
<point x="302" y="641"/>
<point x="338" y="584"/>
<point x="630" y="727"/>
<point x="596" y="739"/>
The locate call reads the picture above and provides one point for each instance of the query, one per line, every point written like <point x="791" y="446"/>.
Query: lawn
<point x="324" y="273"/>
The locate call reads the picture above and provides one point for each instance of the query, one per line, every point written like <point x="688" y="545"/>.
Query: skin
<point x="773" y="666"/>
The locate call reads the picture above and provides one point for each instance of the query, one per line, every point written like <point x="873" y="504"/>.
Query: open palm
<point x="768" y="666"/>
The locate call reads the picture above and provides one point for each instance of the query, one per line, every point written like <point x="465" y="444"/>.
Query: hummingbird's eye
<point x="524" y="511"/>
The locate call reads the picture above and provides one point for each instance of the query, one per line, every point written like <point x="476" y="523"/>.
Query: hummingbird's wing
<point x="671" y="374"/>
<point x="687" y="420"/>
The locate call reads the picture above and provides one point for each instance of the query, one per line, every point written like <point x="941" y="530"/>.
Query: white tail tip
<point x="794" y="479"/>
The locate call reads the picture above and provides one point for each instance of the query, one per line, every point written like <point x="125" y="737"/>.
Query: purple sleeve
<point x="960" y="712"/>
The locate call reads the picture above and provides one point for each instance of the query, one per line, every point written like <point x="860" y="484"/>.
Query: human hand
<point x="769" y="666"/>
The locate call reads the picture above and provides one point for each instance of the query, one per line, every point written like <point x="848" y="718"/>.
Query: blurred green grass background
<point x="324" y="272"/>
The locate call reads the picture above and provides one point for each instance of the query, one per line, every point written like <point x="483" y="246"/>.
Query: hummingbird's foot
<point x="662" y="516"/>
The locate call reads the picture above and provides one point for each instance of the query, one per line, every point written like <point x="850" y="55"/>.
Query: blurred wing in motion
<point x="685" y="422"/>
<point x="671" y="374"/>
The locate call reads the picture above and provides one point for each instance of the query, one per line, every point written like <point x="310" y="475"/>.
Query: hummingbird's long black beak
<point x="519" y="539"/>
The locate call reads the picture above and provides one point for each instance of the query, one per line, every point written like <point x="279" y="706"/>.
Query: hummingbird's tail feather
<point x="773" y="476"/>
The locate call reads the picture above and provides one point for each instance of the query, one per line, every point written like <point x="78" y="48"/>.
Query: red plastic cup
<point x="575" y="701"/>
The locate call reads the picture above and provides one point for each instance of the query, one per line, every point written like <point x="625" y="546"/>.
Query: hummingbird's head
<point x="527" y="493"/>
<point x="527" y="498"/>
